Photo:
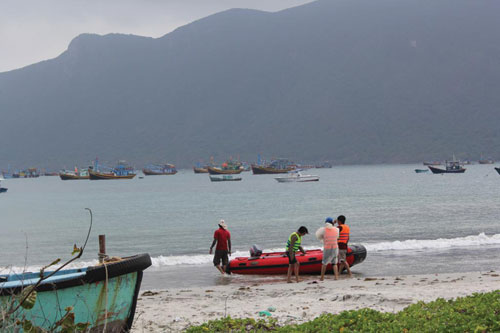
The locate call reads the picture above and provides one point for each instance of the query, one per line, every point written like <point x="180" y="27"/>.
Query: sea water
<point x="410" y="223"/>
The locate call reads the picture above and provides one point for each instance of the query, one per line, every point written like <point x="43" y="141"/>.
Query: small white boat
<point x="298" y="177"/>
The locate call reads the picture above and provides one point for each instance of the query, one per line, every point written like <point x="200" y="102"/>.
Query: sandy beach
<point x="173" y="310"/>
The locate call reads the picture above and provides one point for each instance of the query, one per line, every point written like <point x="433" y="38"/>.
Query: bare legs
<point x="295" y="268"/>
<point x="335" y="272"/>
<point x="346" y="265"/>
<point x="220" y="269"/>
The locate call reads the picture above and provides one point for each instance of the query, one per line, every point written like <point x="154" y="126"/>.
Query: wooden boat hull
<point x="200" y="170"/>
<point x="217" y="171"/>
<point x="277" y="262"/>
<point x="439" y="171"/>
<point x="94" y="175"/>
<point x="3" y="189"/>
<point x="67" y="176"/>
<point x="148" y="172"/>
<point x="262" y="170"/>
<point x="103" y="297"/>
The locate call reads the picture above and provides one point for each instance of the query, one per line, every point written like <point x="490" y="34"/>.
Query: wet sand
<point x="174" y="310"/>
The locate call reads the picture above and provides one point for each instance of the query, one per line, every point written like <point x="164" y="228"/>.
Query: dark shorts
<point x="293" y="260"/>
<point x="221" y="255"/>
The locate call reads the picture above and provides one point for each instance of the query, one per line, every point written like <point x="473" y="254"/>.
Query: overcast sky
<point x="35" y="30"/>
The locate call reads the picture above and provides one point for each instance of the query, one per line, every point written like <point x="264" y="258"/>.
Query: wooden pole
<point x="102" y="248"/>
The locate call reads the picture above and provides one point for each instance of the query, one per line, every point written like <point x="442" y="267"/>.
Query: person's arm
<point x="213" y="244"/>
<point x="292" y="244"/>
<point x="229" y="245"/>
<point x="302" y="250"/>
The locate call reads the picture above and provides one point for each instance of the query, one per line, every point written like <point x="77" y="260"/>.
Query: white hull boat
<point x="297" y="177"/>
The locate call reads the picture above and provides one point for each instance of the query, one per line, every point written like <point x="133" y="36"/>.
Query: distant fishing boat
<point x="121" y="171"/>
<point x="421" y="170"/>
<point x="28" y="173"/>
<point x="451" y="167"/>
<point x="276" y="166"/>
<point x="224" y="178"/>
<point x="432" y="163"/>
<point x="157" y="170"/>
<point x="227" y="168"/>
<point x="296" y="176"/>
<point x="74" y="175"/>
<point x="101" y="298"/>
<point x="200" y="170"/>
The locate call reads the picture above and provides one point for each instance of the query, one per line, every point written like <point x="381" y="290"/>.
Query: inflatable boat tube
<point x="277" y="262"/>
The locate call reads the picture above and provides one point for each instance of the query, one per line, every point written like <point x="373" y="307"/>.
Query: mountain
<point x="350" y="81"/>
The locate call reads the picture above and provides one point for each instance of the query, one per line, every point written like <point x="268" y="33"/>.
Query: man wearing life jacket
<point x="222" y="238"/>
<point x="344" y="232"/>
<point x="293" y="245"/>
<point x="329" y="235"/>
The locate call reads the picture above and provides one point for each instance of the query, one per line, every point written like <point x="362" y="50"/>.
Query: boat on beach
<point x="121" y="171"/>
<point x="99" y="298"/>
<point x="157" y="170"/>
<point x="224" y="178"/>
<point x="296" y="176"/>
<point x="74" y="175"/>
<point x="451" y="167"/>
<point x="273" y="263"/>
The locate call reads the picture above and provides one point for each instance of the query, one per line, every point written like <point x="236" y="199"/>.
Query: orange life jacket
<point x="344" y="234"/>
<point x="330" y="238"/>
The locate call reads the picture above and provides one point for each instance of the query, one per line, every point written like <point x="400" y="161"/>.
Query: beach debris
<point x="209" y="291"/>
<point x="149" y="293"/>
<point x="398" y="278"/>
<point x="321" y="299"/>
<point x="370" y="279"/>
<point x="271" y="309"/>
<point x="265" y="314"/>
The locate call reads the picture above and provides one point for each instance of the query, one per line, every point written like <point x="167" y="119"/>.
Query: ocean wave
<point x="435" y="244"/>
<point x="204" y="259"/>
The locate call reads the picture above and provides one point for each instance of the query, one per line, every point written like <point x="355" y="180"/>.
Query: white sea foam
<point x="204" y="259"/>
<point x="440" y="243"/>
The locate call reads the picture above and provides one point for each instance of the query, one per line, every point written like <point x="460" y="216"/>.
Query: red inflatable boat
<point x="277" y="262"/>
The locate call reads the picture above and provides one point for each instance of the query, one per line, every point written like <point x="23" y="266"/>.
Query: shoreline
<point x="176" y="309"/>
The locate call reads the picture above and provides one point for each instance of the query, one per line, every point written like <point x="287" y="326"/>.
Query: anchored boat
<point x="451" y="167"/>
<point x="296" y="176"/>
<point x="276" y="166"/>
<point x="277" y="262"/>
<point x="74" y="175"/>
<point x="224" y="178"/>
<point x="121" y="171"/>
<point x="157" y="170"/>
<point x="100" y="298"/>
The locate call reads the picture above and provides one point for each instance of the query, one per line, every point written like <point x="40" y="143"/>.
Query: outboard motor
<point x="255" y="251"/>
<point x="359" y="253"/>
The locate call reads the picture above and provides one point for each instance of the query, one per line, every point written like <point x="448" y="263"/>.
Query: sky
<point x="36" y="30"/>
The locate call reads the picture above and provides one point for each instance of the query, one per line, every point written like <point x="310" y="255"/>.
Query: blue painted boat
<point x="101" y="298"/>
<point x="421" y="170"/>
